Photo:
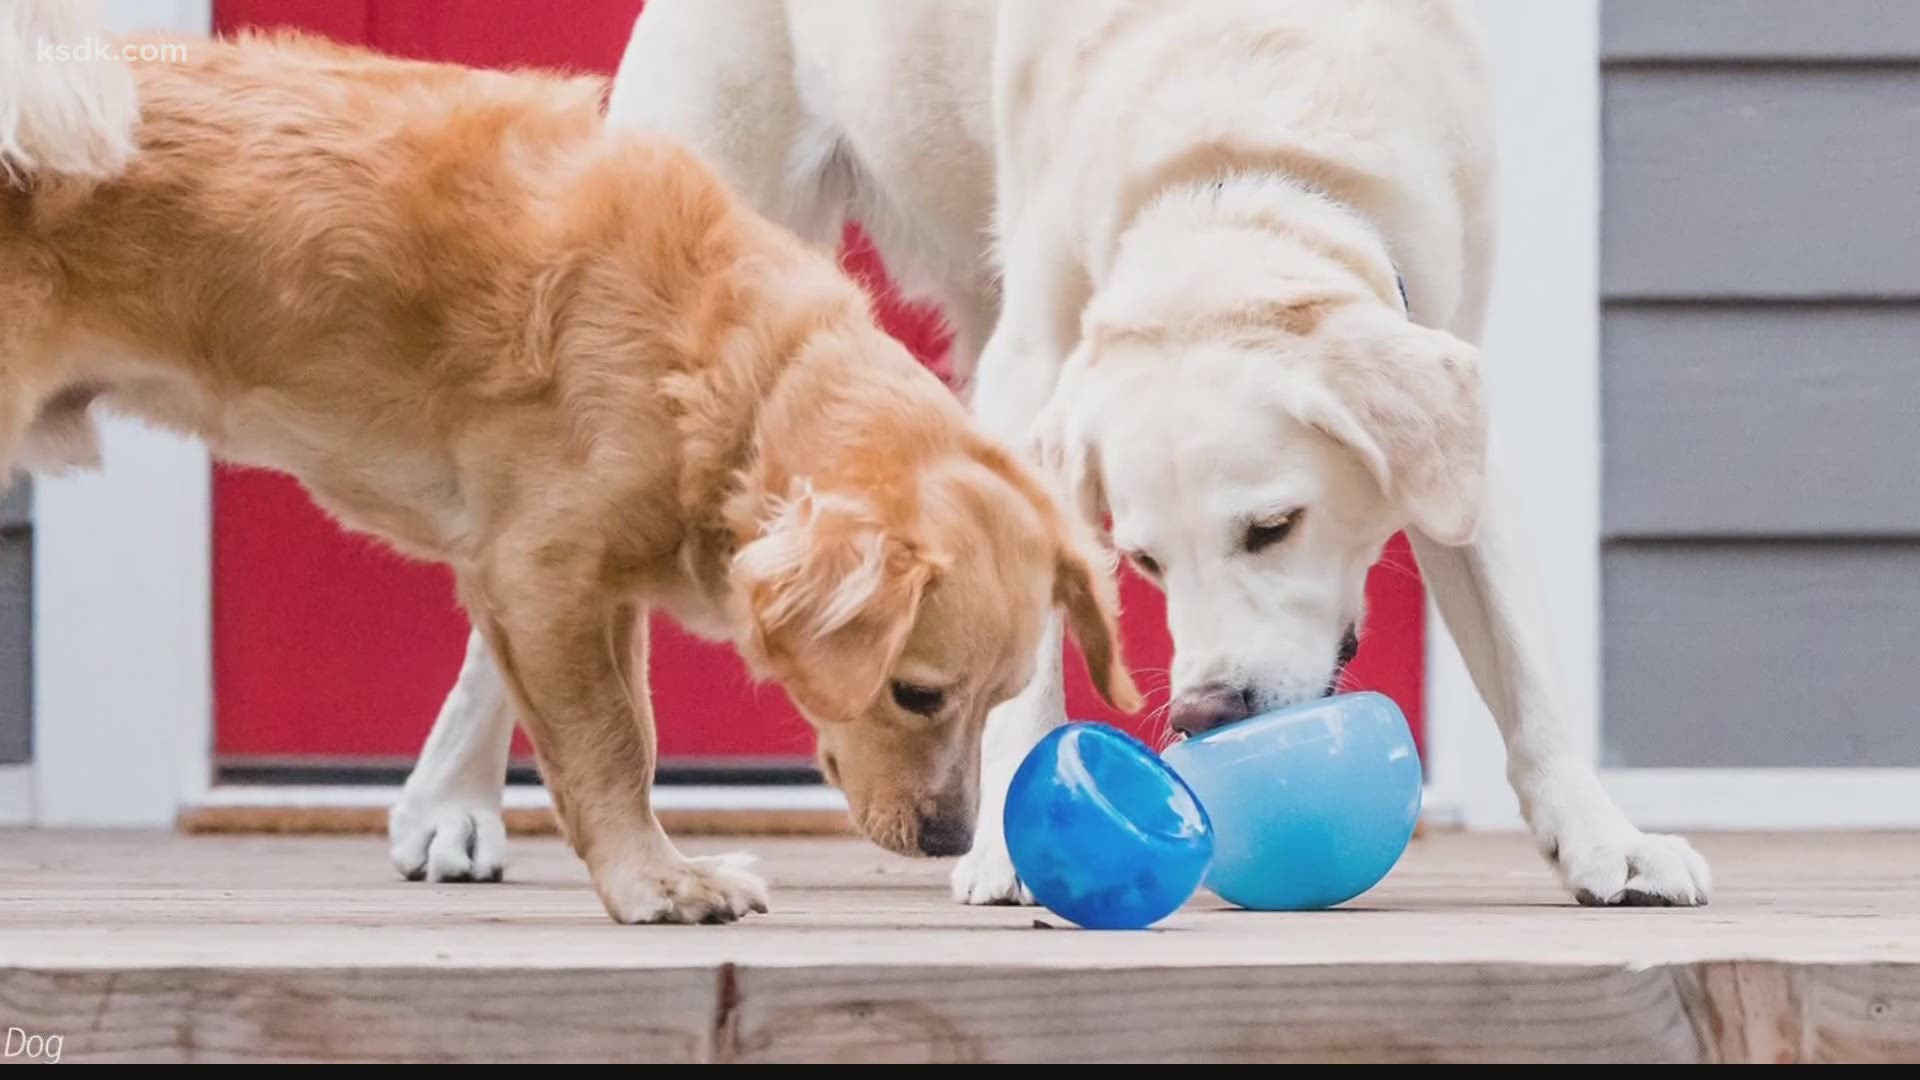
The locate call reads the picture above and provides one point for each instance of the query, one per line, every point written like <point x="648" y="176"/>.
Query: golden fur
<point x="576" y="370"/>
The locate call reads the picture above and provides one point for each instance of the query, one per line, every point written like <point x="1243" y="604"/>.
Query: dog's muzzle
<point x="1205" y="708"/>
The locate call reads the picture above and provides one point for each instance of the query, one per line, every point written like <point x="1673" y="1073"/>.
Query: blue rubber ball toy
<point x="1102" y="832"/>
<point x="1311" y="805"/>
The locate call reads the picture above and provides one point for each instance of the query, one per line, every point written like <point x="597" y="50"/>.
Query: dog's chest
<point x="405" y="491"/>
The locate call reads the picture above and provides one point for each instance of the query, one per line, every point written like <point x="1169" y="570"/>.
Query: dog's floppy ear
<point x="831" y="600"/>
<point x="1086" y="593"/>
<point x="1084" y="566"/>
<point x="1408" y="400"/>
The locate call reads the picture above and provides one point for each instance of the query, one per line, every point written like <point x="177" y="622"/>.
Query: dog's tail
<point x="67" y="101"/>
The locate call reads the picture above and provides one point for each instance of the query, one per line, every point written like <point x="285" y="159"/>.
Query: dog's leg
<point x="725" y="87"/>
<point x="985" y="874"/>
<point x="970" y="314"/>
<point x="447" y="824"/>
<point x="1041" y="301"/>
<point x="1483" y="594"/>
<point x="566" y="657"/>
<point x="1018" y="372"/>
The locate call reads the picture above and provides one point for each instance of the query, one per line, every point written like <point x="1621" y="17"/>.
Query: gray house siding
<point x="1761" y="382"/>
<point x="16" y="626"/>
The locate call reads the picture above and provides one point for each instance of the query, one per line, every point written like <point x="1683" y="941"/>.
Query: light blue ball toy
<point x="1310" y="805"/>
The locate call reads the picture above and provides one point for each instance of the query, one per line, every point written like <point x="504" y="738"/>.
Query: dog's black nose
<point x="1204" y="708"/>
<point x="944" y="835"/>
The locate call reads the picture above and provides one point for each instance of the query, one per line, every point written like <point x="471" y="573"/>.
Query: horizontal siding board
<point x="1759" y="420"/>
<point x="1761" y="655"/>
<point x="1774" y="30"/>
<point x="1761" y="182"/>
<point x="16" y="504"/>
<point x="16" y="657"/>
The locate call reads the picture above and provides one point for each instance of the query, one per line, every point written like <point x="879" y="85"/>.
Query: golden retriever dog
<point x="1222" y="267"/>
<point x="567" y="364"/>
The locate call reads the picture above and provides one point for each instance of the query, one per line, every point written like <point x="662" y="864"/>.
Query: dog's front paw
<point x="985" y="875"/>
<point x="716" y="889"/>
<point x="1633" y="869"/>
<point x="447" y="839"/>
<point x="1603" y="860"/>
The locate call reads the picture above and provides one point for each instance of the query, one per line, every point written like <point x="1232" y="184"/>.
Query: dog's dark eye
<point x="919" y="700"/>
<point x="1265" y="533"/>
<point x="1146" y="563"/>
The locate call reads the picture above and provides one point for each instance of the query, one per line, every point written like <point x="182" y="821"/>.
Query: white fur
<point x="72" y="116"/>
<point x="447" y="825"/>
<point x="1011" y="160"/>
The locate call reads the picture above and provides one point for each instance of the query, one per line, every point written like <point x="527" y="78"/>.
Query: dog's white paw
<point x="1624" y="867"/>
<point x="447" y="840"/>
<point x="716" y="889"/>
<point x="1636" y="870"/>
<point x="1603" y="860"/>
<point x="985" y="875"/>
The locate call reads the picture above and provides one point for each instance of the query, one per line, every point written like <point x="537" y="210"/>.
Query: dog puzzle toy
<point x="1102" y="832"/>
<point x="1302" y="808"/>
<point x="1311" y="805"/>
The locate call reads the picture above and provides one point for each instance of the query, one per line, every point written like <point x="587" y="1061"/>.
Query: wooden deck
<point x="163" y="947"/>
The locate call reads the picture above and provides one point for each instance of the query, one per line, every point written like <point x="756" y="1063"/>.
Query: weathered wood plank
<point x="1868" y="1012"/>
<point x="138" y="946"/>
<point x="1343" y="1013"/>
<point x="1730" y="1011"/>
<point x="412" y="1015"/>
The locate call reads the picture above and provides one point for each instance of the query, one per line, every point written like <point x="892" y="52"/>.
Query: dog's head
<point x="1256" y="477"/>
<point x="897" y="618"/>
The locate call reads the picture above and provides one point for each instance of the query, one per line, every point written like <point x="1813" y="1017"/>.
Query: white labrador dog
<point x="1221" y="266"/>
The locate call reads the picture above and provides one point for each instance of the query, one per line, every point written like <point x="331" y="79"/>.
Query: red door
<point x="330" y="650"/>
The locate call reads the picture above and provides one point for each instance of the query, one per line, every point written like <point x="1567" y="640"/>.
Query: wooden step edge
<point x="520" y="821"/>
